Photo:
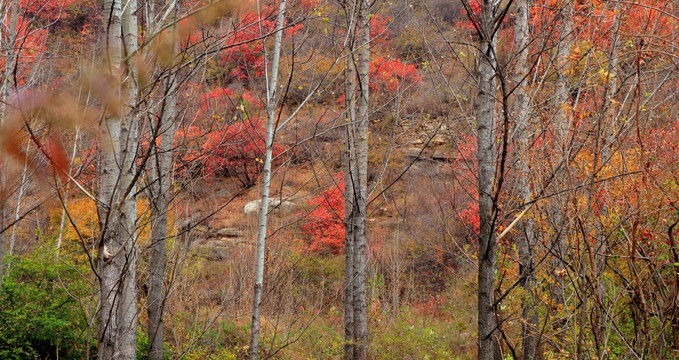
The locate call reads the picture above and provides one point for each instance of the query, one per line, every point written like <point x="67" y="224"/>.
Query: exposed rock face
<point x="438" y="140"/>
<point x="230" y="233"/>
<point x="428" y="154"/>
<point x="220" y="249"/>
<point x="274" y="204"/>
<point x="415" y="153"/>
<point x="440" y="155"/>
<point x="216" y="245"/>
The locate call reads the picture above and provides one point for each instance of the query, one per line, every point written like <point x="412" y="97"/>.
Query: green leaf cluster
<point x="40" y="310"/>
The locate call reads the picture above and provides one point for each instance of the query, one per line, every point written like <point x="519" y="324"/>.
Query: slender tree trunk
<point x="111" y="265"/>
<point x="118" y="209"/>
<point x="350" y="96"/>
<point x="349" y="338"/>
<point x="349" y="163"/>
<point x="159" y="211"/>
<point x="562" y="125"/>
<point x="129" y="135"/>
<point x="22" y="189"/>
<point x="609" y="136"/>
<point x="526" y="239"/>
<point x="62" y="222"/>
<point x="161" y="179"/>
<point x="360" y="183"/>
<point x="357" y="95"/>
<point x="485" y="127"/>
<point x="271" y="102"/>
<point x="10" y="45"/>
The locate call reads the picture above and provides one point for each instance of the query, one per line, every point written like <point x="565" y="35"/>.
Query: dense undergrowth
<point x="45" y="310"/>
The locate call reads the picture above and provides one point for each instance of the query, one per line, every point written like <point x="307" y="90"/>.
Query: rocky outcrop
<point x="417" y="154"/>
<point x="230" y="233"/>
<point x="274" y="204"/>
<point x="440" y="155"/>
<point x="218" y="245"/>
<point x="220" y="249"/>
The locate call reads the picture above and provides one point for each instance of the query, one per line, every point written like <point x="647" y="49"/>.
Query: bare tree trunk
<point x="357" y="94"/>
<point x="159" y="211"/>
<point x="118" y="209"/>
<point x="9" y="44"/>
<point x="129" y="136"/>
<point x="22" y="188"/>
<point x="349" y="163"/>
<point x="485" y="127"/>
<point x="359" y="179"/>
<point x="62" y="222"/>
<point x="160" y="178"/>
<point x="526" y="240"/>
<point x="271" y="102"/>
<point x="562" y="125"/>
<point x="349" y="338"/>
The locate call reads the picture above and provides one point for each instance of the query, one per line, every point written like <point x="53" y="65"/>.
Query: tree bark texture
<point x="360" y="183"/>
<point x="9" y="44"/>
<point x="159" y="234"/>
<point x="526" y="238"/>
<point x="562" y="126"/>
<point x="350" y="105"/>
<point x="356" y="180"/>
<point x="117" y="260"/>
<point x="485" y="127"/>
<point x="160" y="170"/>
<point x="161" y="179"/>
<point x="271" y="103"/>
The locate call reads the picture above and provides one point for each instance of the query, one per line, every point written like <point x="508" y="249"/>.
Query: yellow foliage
<point x="83" y="214"/>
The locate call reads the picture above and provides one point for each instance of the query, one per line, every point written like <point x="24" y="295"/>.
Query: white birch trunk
<point x="271" y="102"/>
<point x="22" y="188"/>
<point x="117" y="248"/>
<point x="9" y="44"/>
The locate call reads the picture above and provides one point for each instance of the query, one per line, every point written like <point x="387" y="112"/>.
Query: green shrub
<point x="40" y="310"/>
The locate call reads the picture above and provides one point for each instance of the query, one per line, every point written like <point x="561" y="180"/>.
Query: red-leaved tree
<point x="325" y="223"/>
<point x="244" y="54"/>
<point x="227" y="140"/>
<point x="391" y="75"/>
